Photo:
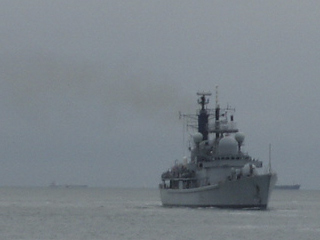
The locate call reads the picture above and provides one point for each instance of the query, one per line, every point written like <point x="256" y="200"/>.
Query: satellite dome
<point x="228" y="146"/>
<point x="239" y="136"/>
<point x="197" y="138"/>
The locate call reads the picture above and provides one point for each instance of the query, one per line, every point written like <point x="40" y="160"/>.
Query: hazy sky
<point x="91" y="90"/>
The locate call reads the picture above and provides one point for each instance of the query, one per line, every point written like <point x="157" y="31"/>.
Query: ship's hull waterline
<point x="247" y="192"/>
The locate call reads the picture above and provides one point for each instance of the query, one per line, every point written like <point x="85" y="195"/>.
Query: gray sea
<point x="114" y="213"/>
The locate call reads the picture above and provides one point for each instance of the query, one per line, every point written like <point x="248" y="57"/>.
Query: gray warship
<point x="218" y="173"/>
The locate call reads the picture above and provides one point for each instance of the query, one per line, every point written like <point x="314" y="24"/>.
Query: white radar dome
<point x="239" y="136"/>
<point x="228" y="145"/>
<point x="249" y="170"/>
<point x="197" y="138"/>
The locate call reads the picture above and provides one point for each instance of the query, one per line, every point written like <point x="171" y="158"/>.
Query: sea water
<point x="115" y="213"/>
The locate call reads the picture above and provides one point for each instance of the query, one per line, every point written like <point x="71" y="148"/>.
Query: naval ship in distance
<point x="218" y="173"/>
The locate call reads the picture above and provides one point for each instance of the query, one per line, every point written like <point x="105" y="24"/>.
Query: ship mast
<point x="203" y="116"/>
<point x="217" y="113"/>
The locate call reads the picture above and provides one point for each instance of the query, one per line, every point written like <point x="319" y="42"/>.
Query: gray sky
<point x="90" y="90"/>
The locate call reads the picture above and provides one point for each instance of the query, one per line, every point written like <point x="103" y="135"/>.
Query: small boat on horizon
<point x="54" y="185"/>
<point x="288" y="187"/>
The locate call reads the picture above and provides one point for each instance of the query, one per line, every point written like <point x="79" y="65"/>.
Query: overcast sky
<point x="91" y="90"/>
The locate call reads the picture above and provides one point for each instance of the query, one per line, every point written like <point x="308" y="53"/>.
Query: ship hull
<point x="247" y="192"/>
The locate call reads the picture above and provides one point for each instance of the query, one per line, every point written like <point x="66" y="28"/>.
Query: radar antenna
<point x="203" y="101"/>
